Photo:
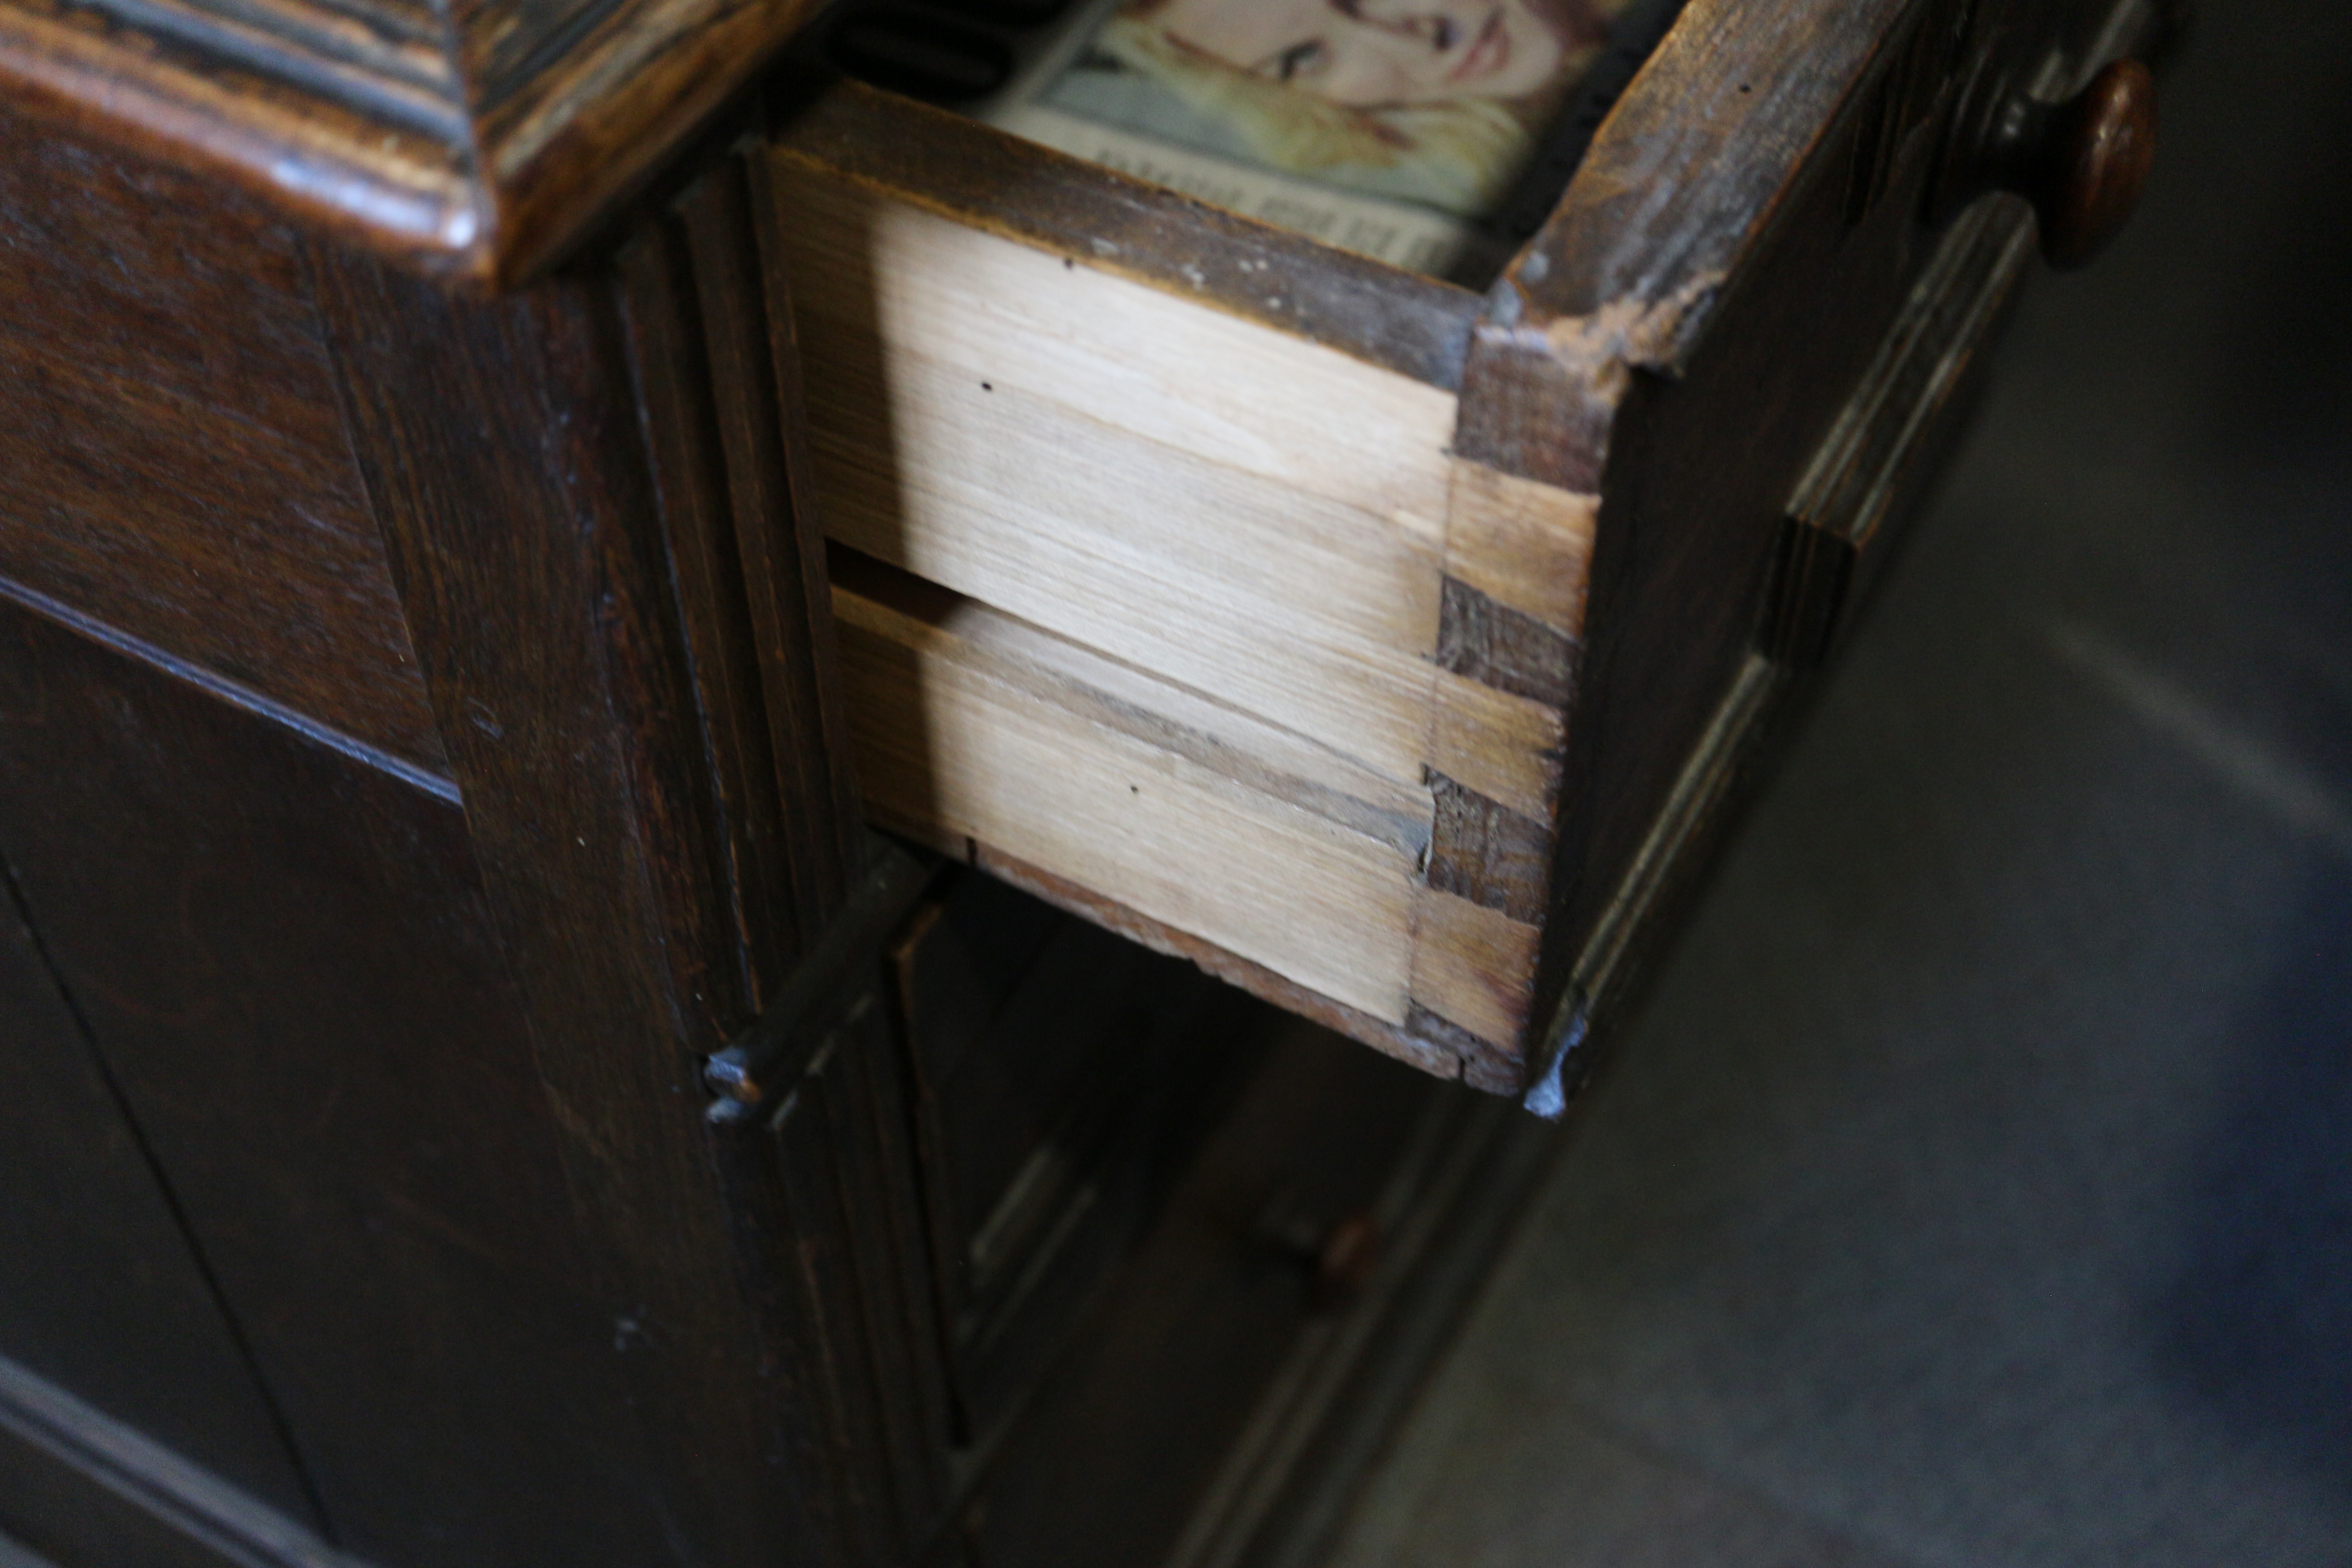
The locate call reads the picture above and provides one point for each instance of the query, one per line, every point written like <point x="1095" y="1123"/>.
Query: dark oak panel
<point x="140" y="273"/>
<point x="506" y="458"/>
<point x="210" y="538"/>
<point x="1121" y="1451"/>
<point x="88" y="1491"/>
<point x="172" y="457"/>
<point x="1747" y="343"/>
<point x="284" y="959"/>
<point x="1684" y="548"/>
<point x="99" y="1290"/>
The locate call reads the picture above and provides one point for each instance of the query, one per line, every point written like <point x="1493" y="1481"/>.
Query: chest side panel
<point x="173" y="463"/>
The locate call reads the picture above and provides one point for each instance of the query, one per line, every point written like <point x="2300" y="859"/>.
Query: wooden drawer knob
<point x="1349" y="1257"/>
<point x="1340" y="1259"/>
<point x="2091" y="166"/>
<point x="2083" y="163"/>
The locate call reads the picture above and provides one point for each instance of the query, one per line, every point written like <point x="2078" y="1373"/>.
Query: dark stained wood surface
<point x="136" y="272"/>
<point x="99" y="1290"/>
<point x="172" y="456"/>
<point x="1123" y="1443"/>
<point x="1686" y="550"/>
<point x="668" y="344"/>
<point x="505" y="460"/>
<point x="1738" y="243"/>
<point x="477" y="141"/>
<point x="745" y="303"/>
<point x="87" y="1490"/>
<point x="428" y="1080"/>
<point x="1889" y="439"/>
<point x="500" y="1213"/>
<point x="814" y="1143"/>
<point x="1738" y="247"/>
<point x="710" y="349"/>
<point x="827" y="1180"/>
<point x="1682" y="181"/>
<point x="284" y="959"/>
<point x="1060" y="1075"/>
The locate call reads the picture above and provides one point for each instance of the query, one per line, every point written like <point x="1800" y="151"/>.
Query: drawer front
<point x="1804" y="373"/>
<point x="1059" y="1075"/>
<point x="1367" y="640"/>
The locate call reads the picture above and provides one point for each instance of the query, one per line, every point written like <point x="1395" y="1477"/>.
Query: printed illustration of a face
<point x="1376" y="53"/>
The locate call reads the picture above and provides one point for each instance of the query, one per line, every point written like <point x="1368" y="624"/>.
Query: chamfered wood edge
<point x="402" y="190"/>
<point x="233" y="693"/>
<point x="1892" y="439"/>
<point x="1681" y="184"/>
<point x="94" y="1462"/>
<point x="389" y="142"/>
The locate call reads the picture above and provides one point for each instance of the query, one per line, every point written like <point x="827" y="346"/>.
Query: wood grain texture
<point x="824" y="1182"/>
<point x="1202" y="495"/>
<point x="1276" y="863"/>
<point x="1684" y="550"/>
<point x="669" y="350"/>
<point x="709" y="325"/>
<point x="1250" y="534"/>
<point x="972" y="725"/>
<point x="285" y="962"/>
<point x="511" y="1169"/>
<point x="983" y="178"/>
<point x="172" y="459"/>
<point x="1494" y="645"/>
<point x="1829" y="280"/>
<point x="1474" y="968"/>
<point x="596" y="498"/>
<point x="476" y="141"/>
<point x="103" y="1293"/>
<point x="1525" y="546"/>
<point x="78" y="1486"/>
<point x="1481" y="850"/>
<point x="811" y="1149"/>
<point x="504" y="448"/>
<point x="1682" y="181"/>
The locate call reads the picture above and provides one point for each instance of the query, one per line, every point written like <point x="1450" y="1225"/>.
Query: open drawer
<point x="1384" y="646"/>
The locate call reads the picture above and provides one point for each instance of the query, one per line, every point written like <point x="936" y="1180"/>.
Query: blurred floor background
<point x="1977" y="1188"/>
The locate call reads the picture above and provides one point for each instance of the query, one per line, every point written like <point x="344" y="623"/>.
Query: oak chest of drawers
<point x="492" y="503"/>
<point x="1372" y="641"/>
